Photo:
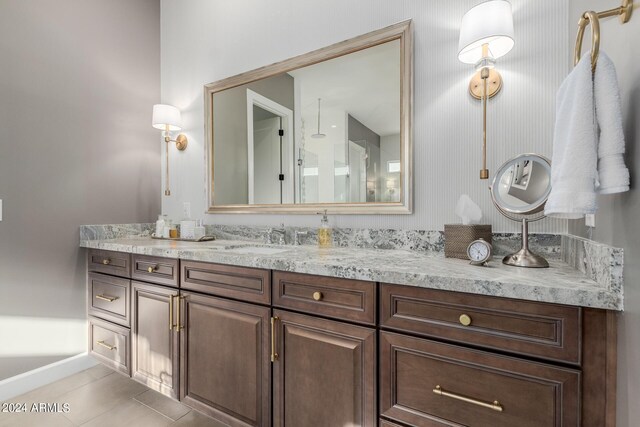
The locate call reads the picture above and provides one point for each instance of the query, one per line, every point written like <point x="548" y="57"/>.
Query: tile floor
<point x="100" y="397"/>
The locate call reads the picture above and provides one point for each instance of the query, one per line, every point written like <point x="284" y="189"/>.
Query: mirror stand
<point x="520" y="190"/>
<point x="524" y="257"/>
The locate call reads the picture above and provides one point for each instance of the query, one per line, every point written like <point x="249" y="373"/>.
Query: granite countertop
<point x="558" y="284"/>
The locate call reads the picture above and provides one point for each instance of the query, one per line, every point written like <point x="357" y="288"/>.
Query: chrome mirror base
<point x="525" y="258"/>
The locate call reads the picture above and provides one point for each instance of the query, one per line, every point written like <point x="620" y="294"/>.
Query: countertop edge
<point x="600" y="298"/>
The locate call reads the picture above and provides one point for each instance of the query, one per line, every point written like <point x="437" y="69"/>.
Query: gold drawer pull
<point x="106" y="261"/>
<point x="171" y="325"/>
<point x="107" y="346"/>
<point x="152" y="268"/>
<point x="106" y="298"/>
<point x="465" y="320"/>
<point x="274" y="353"/>
<point x="317" y="296"/>
<point x="496" y="406"/>
<point x="179" y="324"/>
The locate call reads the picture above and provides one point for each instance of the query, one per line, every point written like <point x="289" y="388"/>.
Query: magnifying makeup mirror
<point x="520" y="190"/>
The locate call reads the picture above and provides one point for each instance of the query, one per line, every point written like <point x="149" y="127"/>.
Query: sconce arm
<point x="181" y="141"/>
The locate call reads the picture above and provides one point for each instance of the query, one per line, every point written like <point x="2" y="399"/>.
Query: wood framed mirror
<point x="330" y="129"/>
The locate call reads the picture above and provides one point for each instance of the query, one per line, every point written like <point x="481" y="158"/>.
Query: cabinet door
<point x="225" y="359"/>
<point x="154" y="360"/>
<point x="324" y="373"/>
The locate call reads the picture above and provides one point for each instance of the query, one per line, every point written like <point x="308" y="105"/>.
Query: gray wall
<point x="77" y="82"/>
<point x="618" y="216"/>
<point x="230" y="174"/>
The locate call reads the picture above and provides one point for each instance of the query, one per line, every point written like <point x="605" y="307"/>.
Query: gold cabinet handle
<point x="180" y="299"/>
<point x="495" y="405"/>
<point x="107" y="346"/>
<point x="106" y="261"/>
<point x="317" y="296"/>
<point x="465" y="320"/>
<point x="274" y="353"/>
<point x="151" y="269"/>
<point x="171" y="325"/>
<point x="179" y="326"/>
<point x="106" y="298"/>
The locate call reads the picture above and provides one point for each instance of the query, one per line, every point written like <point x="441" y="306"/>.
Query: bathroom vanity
<point x="259" y="335"/>
<point x="256" y="335"/>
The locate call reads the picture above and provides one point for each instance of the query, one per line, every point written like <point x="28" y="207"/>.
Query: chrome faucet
<point x="279" y="232"/>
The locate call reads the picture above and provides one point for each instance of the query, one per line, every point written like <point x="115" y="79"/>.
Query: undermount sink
<point x="232" y="247"/>
<point x="259" y="250"/>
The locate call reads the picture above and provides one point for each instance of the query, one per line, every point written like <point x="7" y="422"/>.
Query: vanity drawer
<point x="425" y="383"/>
<point x="109" y="298"/>
<point x="243" y="283"/>
<point x="343" y="299"/>
<point x="109" y="344"/>
<point x="109" y="262"/>
<point x="163" y="271"/>
<point x="542" y="330"/>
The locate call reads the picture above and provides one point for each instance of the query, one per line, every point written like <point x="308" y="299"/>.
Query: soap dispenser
<point x="324" y="232"/>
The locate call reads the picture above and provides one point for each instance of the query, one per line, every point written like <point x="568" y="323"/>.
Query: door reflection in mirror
<point x="233" y="145"/>
<point x="270" y="148"/>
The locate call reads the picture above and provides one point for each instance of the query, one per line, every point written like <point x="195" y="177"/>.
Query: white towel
<point x="588" y="141"/>
<point x="574" y="161"/>
<point x="612" y="172"/>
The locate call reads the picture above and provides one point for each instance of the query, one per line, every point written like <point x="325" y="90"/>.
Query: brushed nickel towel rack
<point x="624" y="12"/>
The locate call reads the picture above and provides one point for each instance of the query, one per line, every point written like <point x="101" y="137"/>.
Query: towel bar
<point x="593" y="18"/>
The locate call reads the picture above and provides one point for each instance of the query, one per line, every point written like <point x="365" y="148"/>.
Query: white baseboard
<point x="23" y="383"/>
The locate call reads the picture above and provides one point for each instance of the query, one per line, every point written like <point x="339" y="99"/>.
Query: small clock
<point x="479" y="252"/>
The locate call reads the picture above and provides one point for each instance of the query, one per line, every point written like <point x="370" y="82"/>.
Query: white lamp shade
<point x="489" y="23"/>
<point x="166" y="115"/>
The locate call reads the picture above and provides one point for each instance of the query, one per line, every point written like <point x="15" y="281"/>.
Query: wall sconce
<point x="167" y="118"/>
<point x="486" y="34"/>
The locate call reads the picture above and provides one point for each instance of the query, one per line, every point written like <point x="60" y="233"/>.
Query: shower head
<point x="318" y="135"/>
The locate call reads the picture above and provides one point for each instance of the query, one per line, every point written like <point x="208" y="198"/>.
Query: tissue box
<point x="458" y="236"/>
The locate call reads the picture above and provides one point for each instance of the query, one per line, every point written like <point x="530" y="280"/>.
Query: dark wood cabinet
<point x="341" y="299"/>
<point x="542" y="330"/>
<point x="225" y="359"/>
<point x="108" y="298"/>
<point x="385" y="423"/>
<point x="155" y="352"/>
<point x="427" y="383"/>
<point x="110" y="344"/>
<point x="252" y="347"/>
<point x="242" y="283"/>
<point x="324" y="373"/>
<point x="109" y="262"/>
<point x="163" y="271"/>
<point x="599" y="365"/>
